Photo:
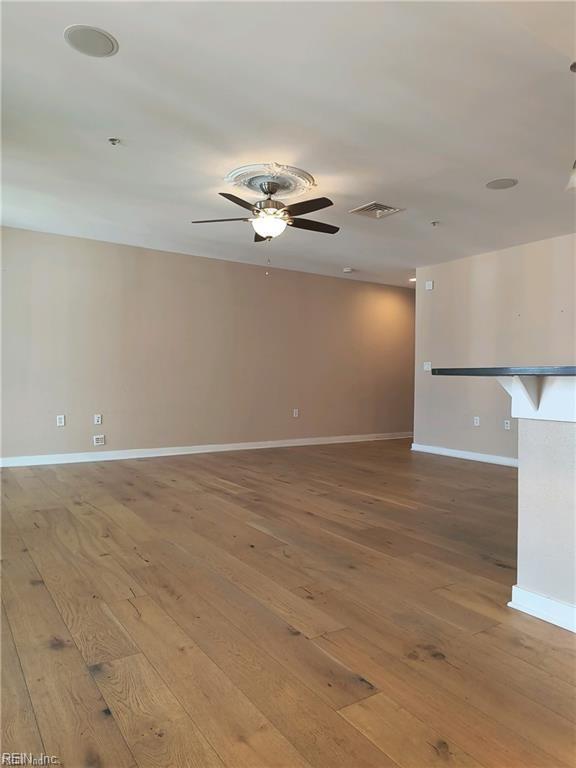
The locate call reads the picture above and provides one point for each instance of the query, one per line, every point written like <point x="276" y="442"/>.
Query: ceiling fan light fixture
<point x="270" y="217"/>
<point x="269" y="224"/>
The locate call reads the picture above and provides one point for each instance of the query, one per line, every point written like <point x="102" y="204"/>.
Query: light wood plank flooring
<point x="334" y="606"/>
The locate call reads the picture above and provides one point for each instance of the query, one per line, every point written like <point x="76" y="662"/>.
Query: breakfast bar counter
<point x="544" y="402"/>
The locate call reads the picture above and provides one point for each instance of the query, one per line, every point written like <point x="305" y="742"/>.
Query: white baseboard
<point x="144" y="453"/>
<point x="546" y="608"/>
<point x="489" y="458"/>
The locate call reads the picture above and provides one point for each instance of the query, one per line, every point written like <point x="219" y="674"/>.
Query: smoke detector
<point x="91" y="41"/>
<point x="375" y="210"/>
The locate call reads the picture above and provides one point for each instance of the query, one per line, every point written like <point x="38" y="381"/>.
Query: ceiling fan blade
<point x="237" y="200"/>
<point x="314" y="226"/>
<point x="308" y="206"/>
<point x="213" y="221"/>
<point x="258" y="238"/>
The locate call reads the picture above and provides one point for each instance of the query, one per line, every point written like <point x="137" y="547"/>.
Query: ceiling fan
<point x="271" y="217"/>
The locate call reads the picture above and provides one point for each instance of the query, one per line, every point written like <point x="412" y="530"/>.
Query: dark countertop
<point x="530" y="370"/>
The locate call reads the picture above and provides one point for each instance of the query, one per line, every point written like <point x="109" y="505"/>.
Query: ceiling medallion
<point x="291" y="181"/>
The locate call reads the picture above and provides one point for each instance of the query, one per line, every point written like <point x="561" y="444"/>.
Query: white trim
<point x="506" y="461"/>
<point x="546" y="608"/>
<point x="144" y="453"/>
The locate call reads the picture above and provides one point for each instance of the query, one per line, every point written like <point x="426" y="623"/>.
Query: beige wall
<point x="178" y="350"/>
<point x="510" y="307"/>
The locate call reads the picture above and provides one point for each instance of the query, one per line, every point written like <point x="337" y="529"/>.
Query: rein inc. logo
<point x="27" y="758"/>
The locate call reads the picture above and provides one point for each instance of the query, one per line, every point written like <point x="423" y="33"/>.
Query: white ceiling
<point x="416" y="105"/>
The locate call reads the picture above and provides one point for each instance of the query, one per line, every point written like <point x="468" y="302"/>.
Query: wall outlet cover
<point x="295" y="413"/>
<point x="507" y="424"/>
<point x="427" y="366"/>
<point x="97" y="418"/>
<point x="476" y="421"/>
<point x="98" y="440"/>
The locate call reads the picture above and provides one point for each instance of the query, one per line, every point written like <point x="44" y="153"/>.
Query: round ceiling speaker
<point x="501" y="183"/>
<point x="91" y="40"/>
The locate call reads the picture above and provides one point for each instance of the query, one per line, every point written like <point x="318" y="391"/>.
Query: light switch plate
<point x="61" y="420"/>
<point x="429" y="285"/>
<point x="428" y="367"/>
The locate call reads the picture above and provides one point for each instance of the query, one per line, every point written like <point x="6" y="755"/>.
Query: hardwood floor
<point x="334" y="606"/>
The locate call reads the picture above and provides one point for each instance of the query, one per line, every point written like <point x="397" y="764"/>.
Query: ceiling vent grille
<point x="375" y="210"/>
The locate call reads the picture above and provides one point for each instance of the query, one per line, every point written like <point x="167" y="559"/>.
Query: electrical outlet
<point x="429" y="285"/>
<point x="476" y="421"/>
<point x="295" y="413"/>
<point x="98" y="440"/>
<point x="427" y="367"/>
<point x="61" y="420"/>
<point x="507" y="424"/>
<point x="97" y="418"/>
